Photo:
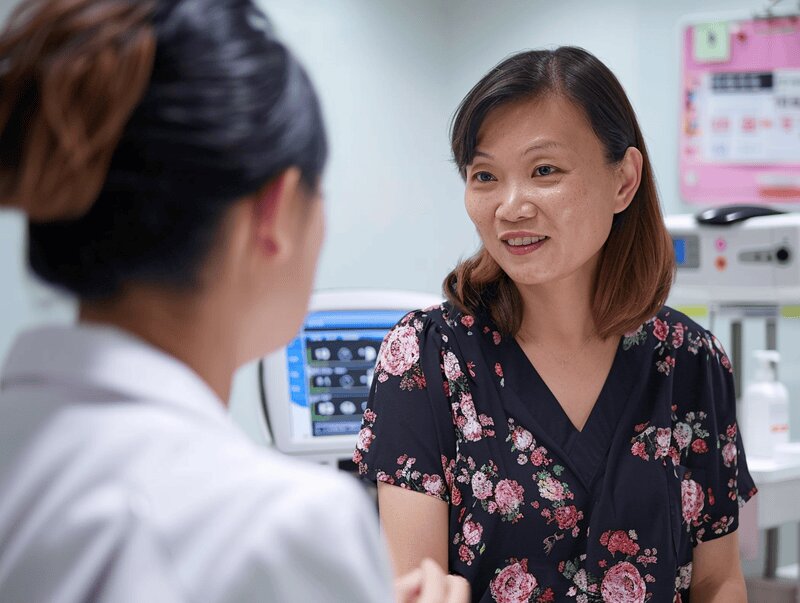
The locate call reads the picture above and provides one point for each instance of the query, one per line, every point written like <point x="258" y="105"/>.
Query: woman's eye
<point x="544" y="170"/>
<point x="483" y="177"/>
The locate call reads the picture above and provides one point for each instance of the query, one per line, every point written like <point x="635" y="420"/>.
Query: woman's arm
<point x="717" y="572"/>
<point x="416" y="527"/>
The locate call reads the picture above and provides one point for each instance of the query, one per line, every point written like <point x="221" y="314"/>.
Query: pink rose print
<point x="663" y="438"/>
<point x="522" y="438"/>
<point x="508" y="495"/>
<point x="623" y="584"/>
<point x="677" y="335"/>
<point x="539" y="456"/>
<point x="551" y="489"/>
<point x="472" y="431"/>
<point x="660" y="329"/>
<point x="400" y="350"/>
<point x="729" y="454"/>
<point x="496" y="338"/>
<point x="692" y="500"/>
<point x="472" y="532"/>
<point x="467" y="321"/>
<point x="472" y="426"/>
<point x="567" y="517"/>
<point x="452" y="369"/>
<point x="665" y="366"/>
<point x="365" y="438"/>
<point x="699" y="446"/>
<point x="513" y="584"/>
<point x="498" y="369"/>
<point x="682" y="434"/>
<point x="465" y="554"/>
<point x="481" y="486"/>
<point x="684" y="578"/>
<point x="619" y="541"/>
<point x="468" y="406"/>
<point x="433" y="484"/>
<point x="640" y="450"/>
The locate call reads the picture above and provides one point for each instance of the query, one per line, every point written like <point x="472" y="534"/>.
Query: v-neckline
<point x="582" y="450"/>
<point x="553" y="400"/>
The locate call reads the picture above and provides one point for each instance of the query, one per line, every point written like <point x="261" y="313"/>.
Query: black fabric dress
<point x="540" y="511"/>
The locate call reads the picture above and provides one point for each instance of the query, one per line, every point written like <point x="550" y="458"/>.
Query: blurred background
<point x="391" y="74"/>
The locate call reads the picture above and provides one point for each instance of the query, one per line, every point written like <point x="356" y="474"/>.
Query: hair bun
<point x="71" y="74"/>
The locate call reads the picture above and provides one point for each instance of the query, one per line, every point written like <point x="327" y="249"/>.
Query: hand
<point x="429" y="584"/>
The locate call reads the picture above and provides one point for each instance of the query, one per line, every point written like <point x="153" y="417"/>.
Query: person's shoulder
<point x="671" y="328"/>
<point x="436" y="313"/>
<point x="678" y="341"/>
<point x="698" y="339"/>
<point x="677" y="319"/>
<point x="437" y="320"/>
<point x="451" y="319"/>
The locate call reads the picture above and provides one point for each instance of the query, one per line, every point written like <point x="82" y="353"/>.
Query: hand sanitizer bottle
<point x="765" y="408"/>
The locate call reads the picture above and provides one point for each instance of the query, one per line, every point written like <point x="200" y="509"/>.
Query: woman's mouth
<point x="523" y="245"/>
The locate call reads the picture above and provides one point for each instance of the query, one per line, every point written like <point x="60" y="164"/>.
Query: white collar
<point x="109" y="359"/>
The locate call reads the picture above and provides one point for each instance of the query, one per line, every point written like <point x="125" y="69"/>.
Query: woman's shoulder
<point x="671" y="326"/>
<point x="444" y="316"/>
<point x="444" y="325"/>
<point x="675" y="339"/>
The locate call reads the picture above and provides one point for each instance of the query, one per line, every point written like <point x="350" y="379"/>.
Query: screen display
<point x="331" y="363"/>
<point x="680" y="251"/>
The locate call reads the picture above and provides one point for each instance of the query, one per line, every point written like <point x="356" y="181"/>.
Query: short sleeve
<point x="407" y="437"/>
<point x="717" y="482"/>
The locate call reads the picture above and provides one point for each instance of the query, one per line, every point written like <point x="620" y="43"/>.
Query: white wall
<point x="393" y="197"/>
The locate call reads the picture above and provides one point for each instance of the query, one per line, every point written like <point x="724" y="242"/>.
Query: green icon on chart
<point x="712" y="42"/>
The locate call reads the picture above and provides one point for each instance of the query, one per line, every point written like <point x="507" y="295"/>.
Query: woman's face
<point x="541" y="192"/>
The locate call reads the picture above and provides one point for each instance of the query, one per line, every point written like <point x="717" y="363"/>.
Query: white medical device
<point x="315" y="390"/>
<point x="736" y="255"/>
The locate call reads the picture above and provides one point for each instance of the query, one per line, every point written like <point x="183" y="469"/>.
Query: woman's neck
<point x="190" y="327"/>
<point x="558" y="313"/>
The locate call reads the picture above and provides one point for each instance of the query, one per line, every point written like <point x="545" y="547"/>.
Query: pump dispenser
<point x="765" y="408"/>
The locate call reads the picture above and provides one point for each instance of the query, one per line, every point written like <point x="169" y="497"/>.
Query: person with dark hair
<point x="556" y="432"/>
<point x="168" y="155"/>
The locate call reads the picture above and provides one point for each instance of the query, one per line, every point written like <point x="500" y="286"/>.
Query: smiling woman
<point x="576" y="94"/>
<point x="557" y="433"/>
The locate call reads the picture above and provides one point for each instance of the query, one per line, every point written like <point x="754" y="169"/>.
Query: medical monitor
<point x="315" y="389"/>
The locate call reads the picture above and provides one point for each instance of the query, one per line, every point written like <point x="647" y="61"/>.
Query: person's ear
<point x="629" y="176"/>
<point x="276" y="214"/>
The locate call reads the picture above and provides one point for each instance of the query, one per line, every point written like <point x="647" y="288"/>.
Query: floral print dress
<point x="539" y="511"/>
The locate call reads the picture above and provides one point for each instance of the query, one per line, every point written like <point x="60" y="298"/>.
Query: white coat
<point x="123" y="479"/>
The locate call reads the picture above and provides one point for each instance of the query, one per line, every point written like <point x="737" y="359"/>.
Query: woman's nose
<point x="518" y="204"/>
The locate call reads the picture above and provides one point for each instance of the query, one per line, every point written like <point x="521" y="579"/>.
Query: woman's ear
<point x="275" y="214"/>
<point x="629" y="173"/>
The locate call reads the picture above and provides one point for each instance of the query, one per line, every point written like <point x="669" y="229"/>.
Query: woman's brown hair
<point x="637" y="263"/>
<point x="71" y="73"/>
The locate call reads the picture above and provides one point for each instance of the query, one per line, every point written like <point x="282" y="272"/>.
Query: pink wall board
<point x="740" y="112"/>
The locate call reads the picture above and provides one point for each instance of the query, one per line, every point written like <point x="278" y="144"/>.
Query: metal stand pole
<point x="772" y="534"/>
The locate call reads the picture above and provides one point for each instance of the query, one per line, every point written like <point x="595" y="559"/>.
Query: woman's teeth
<point x="524" y="241"/>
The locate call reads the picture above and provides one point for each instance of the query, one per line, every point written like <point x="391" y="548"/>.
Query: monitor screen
<point x="330" y="366"/>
